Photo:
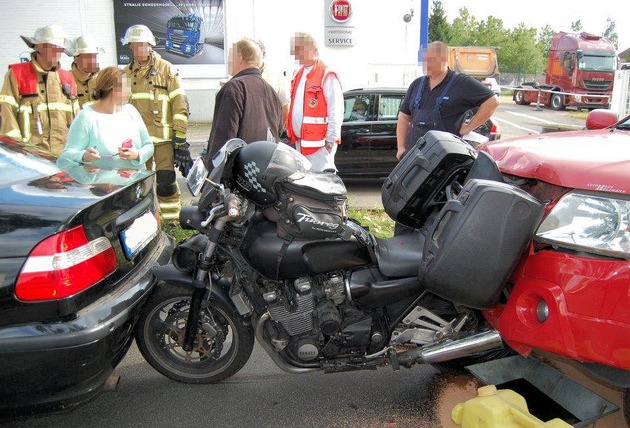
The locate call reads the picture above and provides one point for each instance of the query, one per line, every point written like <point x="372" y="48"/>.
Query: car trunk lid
<point x="123" y="213"/>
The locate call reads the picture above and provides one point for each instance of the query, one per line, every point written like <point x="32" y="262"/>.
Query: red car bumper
<point x="587" y="301"/>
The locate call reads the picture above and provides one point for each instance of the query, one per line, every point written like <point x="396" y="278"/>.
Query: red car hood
<point x="590" y="160"/>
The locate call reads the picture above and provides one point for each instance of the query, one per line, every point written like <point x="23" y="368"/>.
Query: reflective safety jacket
<point x="85" y="86"/>
<point x="38" y="107"/>
<point x="315" y="111"/>
<point x="157" y="93"/>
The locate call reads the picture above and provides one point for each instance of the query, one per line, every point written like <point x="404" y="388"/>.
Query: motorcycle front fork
<point x="201" y="283"/>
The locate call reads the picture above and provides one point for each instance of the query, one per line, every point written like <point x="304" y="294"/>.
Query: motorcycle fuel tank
<point x="263" y="249"/>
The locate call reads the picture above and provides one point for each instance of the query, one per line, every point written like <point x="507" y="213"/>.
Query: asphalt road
<point x="261" y="395"/>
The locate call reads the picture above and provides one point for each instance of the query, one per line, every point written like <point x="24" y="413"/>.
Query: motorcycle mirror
<point x="196" y="177"/>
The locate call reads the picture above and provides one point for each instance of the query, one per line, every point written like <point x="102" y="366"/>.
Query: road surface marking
<point x="515" y="125"/>
<point x="548" y="122"/>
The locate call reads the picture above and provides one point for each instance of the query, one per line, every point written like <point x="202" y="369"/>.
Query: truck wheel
<point x="519" y="98"/>
<point x="557" y="102"/>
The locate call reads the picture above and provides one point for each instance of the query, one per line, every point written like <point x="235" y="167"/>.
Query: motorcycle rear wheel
<point x="160" y="335"/>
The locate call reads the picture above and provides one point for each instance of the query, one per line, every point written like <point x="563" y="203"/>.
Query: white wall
<point x="384" y="54"/>
<point x="76" y="17"/>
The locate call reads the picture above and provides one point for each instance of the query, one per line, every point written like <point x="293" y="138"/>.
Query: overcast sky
<point x="559" y="14"/>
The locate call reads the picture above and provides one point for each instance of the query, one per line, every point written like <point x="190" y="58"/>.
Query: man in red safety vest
<point x="316" y="112"/>
<point x="38" y="98"/>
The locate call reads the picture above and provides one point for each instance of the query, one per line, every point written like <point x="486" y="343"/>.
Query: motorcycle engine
<point x="318" y="318"/>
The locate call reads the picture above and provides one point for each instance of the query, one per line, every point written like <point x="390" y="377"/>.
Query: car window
<point x="357" y="107"/>
<point x="625" y="124"/>
<point x="389" y="106"/>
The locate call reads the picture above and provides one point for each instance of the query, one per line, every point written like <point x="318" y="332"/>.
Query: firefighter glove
<point x="182" y="161"/>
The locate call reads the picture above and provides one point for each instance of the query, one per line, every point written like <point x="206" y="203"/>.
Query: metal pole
<point x="538" y="102"/>
<point x="424" y="28"/>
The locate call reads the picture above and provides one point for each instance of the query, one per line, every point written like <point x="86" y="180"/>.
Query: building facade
<point x="376" y="44"/>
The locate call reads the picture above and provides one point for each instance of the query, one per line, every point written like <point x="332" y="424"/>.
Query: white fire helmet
<point x="52" y="34"/>
<point x="85" y="44"/>
<point x="138" y="33"/>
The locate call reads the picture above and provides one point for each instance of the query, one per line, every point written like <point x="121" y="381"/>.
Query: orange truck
<point x="476" y="61"/>
<point x="479" y="62"/>
<point x="580" y="73"/>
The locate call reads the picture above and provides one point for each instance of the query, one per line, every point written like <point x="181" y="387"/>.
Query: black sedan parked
<point x="76" y="250"/>
<point x="368" y="133"/>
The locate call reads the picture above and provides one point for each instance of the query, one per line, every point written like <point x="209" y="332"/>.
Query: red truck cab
<point x="580" y="73"/>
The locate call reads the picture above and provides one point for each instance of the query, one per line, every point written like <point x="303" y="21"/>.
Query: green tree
<point x="545" y="37"/>
<point x="610" y="32"/>
<point x="521" y="52"/>
<point x="439" y="28"/>
<point x="464" y="29"/>
<point x="576" y="25"/>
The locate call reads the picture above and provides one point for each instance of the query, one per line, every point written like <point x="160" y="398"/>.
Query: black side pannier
<point x="477" y="241"/>
<point x="416" y="186"/>
<point x="314" y="206"/>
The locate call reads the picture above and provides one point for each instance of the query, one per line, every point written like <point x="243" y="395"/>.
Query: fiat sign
<point x="340" y="11"/>
<point x="339" y="30"/>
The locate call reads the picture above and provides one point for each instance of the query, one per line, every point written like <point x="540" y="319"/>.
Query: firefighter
<point x="85" y="67"/>
<point x="38" y="98"/>
<point x="158" y="95"/>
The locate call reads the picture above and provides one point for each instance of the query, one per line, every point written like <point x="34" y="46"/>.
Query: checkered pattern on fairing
<point x="251" y="174"/>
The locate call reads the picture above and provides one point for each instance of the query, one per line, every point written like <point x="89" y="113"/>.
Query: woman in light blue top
<point x="109" y="132"/>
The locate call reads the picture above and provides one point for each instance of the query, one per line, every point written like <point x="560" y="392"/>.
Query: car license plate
<point x="138" y="235"/>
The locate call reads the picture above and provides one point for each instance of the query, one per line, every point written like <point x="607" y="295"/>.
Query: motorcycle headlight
<point x="589" y="223"/>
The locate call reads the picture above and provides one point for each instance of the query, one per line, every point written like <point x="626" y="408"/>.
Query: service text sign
<point x="339" y="30"/>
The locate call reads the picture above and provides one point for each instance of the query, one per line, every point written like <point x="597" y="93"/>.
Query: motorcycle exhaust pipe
<point x="283" y="365"/>
<point x="454" y="349"/>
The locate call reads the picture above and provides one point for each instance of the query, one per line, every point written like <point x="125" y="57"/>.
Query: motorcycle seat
<point x="400" y="256"/>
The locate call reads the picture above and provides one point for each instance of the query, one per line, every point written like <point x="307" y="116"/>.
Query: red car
<point x="571" y="295"/>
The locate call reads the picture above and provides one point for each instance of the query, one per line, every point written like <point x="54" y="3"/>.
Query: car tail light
<point x="63" y="265"/>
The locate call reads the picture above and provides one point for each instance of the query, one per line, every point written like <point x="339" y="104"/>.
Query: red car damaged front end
<point x="571" y="294"/>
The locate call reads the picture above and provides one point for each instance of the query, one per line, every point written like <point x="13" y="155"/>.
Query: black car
<point x="77" y="245"/>
<point x="368" y="134"/>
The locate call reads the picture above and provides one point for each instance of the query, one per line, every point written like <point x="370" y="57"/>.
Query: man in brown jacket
<point x="246" y="107"/>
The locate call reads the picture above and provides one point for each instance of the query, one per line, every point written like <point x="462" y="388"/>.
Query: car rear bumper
<point x="57" y="365"/>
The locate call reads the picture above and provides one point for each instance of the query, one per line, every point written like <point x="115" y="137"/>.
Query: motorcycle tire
<point x="160" y="335"/>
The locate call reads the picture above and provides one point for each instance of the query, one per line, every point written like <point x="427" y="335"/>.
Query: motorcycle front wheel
<point x="221" y="347"/>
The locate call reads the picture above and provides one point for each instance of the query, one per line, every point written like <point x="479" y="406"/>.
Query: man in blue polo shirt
<point x="439" y="99"/>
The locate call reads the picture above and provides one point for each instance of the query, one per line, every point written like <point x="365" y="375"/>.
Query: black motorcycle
<point x="277" y="259"/>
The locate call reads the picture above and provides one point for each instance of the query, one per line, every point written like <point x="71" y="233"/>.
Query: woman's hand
<point x="128" y="154"/>
<point x="91" y="155"/>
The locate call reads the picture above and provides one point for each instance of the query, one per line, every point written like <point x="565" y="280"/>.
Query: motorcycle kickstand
<point x="393" y="359"/>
